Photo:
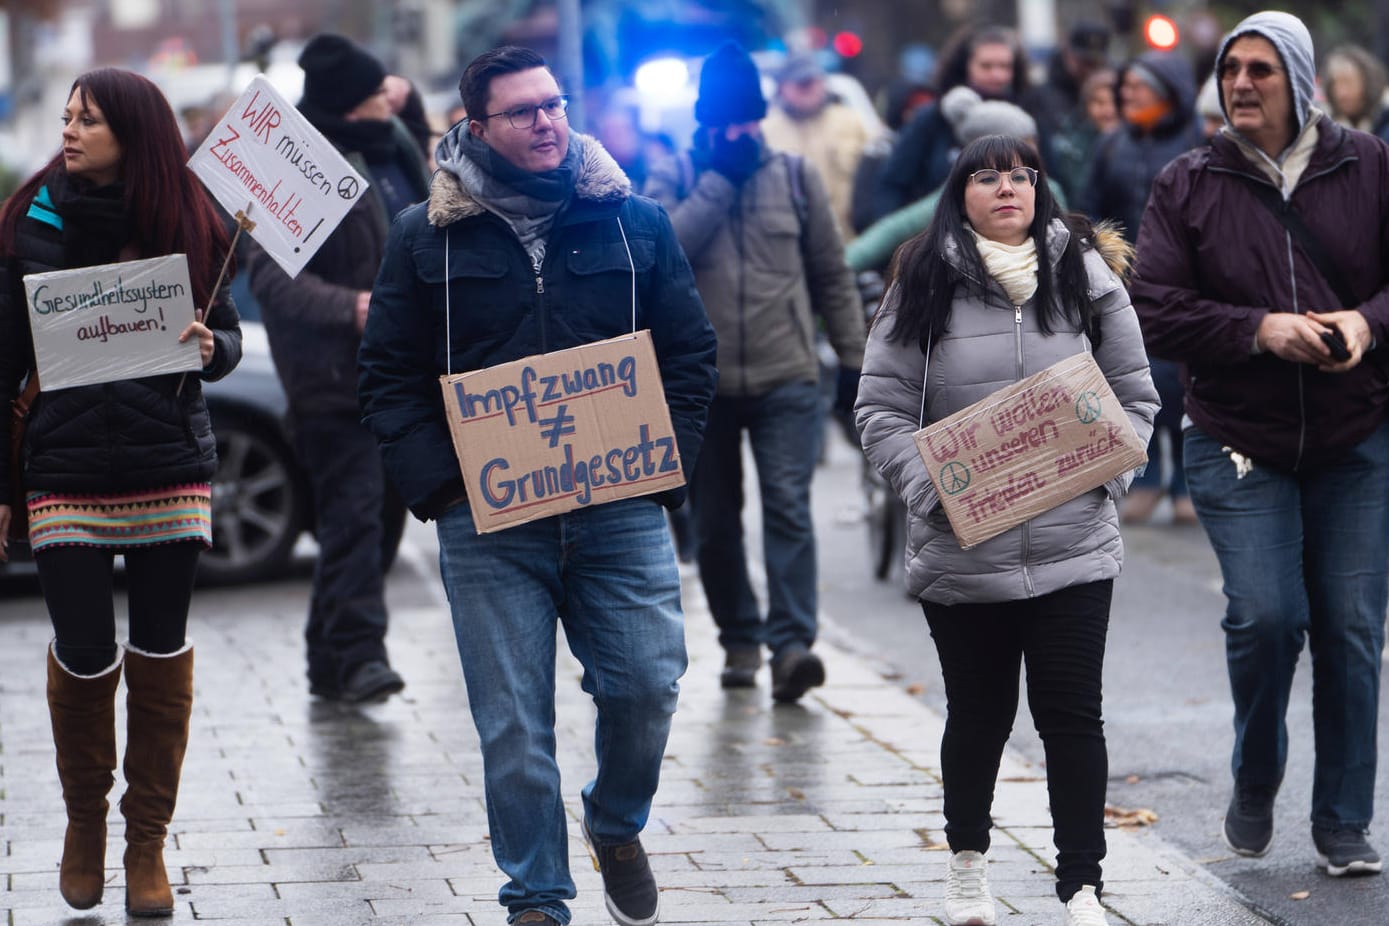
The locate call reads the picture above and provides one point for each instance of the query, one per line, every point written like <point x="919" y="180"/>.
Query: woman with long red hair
<point x="122" y="467"/>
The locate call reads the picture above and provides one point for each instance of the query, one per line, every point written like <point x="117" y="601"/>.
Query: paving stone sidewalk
<point x="304" y="813"/>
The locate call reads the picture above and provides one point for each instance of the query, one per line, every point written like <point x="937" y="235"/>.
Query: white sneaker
<point x="967" y="898"/>
<point x="1084" y="909"/>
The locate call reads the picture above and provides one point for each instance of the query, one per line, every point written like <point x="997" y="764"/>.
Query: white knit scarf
<point x="1014" y="266"/>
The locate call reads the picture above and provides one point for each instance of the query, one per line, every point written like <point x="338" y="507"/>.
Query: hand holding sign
<point x="204" y="335"/>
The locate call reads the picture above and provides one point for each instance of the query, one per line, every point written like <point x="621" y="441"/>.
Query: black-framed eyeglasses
<point x="523" y="117"/>
<point x="988" y="178"/>
<point x="1257" y="70"/>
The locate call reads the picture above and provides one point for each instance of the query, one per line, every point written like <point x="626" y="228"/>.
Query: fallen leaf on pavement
<point x="1124" y="816"/>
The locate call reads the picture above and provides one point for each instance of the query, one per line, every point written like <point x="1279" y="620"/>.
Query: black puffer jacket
<point x="110" y="437"/>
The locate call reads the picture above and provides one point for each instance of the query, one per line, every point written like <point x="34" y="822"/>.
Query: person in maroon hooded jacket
<point x="1262" y="268"/>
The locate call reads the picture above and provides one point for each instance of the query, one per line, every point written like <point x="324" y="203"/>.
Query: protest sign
<point x="1027" y="448"/>
<point x="266" y="161"/>
<point x="559" y="431"/>
<point x="112" y="321"/>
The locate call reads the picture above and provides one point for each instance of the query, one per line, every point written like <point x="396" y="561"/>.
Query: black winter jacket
<point x="502" y="309"/>
<point x="109" y="437"/>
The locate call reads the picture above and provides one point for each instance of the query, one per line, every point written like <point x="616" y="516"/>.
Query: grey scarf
<point x="528" y="202"/>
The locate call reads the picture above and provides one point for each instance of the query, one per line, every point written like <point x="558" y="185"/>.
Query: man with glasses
<point x="531" y="241"/>
<point x="1262" y="263"/>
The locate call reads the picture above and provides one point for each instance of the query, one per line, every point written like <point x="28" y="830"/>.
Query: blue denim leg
<point x="609" y="574"/>
<point x="716" y="499"/>
<point x="1346" y="520"/>
<point x="1301" y="556"/>
<point x="784" y="429"/>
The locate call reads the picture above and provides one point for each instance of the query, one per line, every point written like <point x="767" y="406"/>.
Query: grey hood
<point x="1294" y="45"/>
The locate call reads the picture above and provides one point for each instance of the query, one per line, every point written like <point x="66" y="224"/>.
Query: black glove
<point x="737" y="159"/>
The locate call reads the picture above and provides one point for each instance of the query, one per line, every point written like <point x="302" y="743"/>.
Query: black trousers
<point x="347" y="613"/>
<point x="1061" y="638"/>
<point x="79" y="589"/>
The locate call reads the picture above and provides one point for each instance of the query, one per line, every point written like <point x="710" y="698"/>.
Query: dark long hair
<point x="170" y="211"/>
<point x="926" y="281"/>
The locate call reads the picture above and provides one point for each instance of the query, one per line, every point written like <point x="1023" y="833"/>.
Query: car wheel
<point x="257" y="505"/>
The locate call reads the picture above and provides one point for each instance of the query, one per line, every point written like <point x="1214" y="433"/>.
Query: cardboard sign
<point x="1027" y="448"/>
<point x="265" y="160"/>
<point x="560" y="431"/>
<point x="112" y="321"/>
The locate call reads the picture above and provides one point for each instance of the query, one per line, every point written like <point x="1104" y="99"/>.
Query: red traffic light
<point x="1160" y="32"/>
<point x="848" y="45"/>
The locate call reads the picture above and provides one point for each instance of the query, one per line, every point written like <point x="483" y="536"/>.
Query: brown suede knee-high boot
<point x="158" y="703"/>
<point x="83" y="711"/>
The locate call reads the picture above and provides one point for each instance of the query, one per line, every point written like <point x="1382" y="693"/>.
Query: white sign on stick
<point x="112" y="321"/>
<point x="265" y="155"/>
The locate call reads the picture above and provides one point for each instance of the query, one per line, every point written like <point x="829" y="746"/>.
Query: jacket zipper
<point x="1026" y="525"/>
<point x="540" y="307"/>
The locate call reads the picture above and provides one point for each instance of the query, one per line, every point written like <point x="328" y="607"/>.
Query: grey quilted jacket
<point x="989" y="345"/>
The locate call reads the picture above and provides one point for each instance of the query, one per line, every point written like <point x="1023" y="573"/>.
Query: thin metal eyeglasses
<point x="988" y="178"/>
<point x="523" y="117"/>
<point x="1257" y="70"/>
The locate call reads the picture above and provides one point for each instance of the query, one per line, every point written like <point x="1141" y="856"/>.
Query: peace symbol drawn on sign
<point x="954" y="478"/>
<point x="1088" y="407"/>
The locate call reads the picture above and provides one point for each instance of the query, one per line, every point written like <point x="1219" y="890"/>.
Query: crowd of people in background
<point x="1054" y="201"/>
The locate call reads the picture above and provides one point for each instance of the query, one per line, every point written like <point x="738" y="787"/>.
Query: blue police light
<point x="662" y="77"/>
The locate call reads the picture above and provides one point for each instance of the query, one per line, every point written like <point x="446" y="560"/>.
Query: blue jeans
<point x="607" y="573"/>
<point x="1303" y="556"/>
<point x="784" y="428"/>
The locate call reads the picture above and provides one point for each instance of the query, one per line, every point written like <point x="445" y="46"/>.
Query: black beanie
<point x="337" y="74"/>
<point x="730" y="89"/>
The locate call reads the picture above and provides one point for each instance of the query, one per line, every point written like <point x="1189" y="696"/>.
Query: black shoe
<point x="325" y="691"/>
<point x="371" y="681"/>
<point x="795" y="672"/>
<point x="535" y="918"/>
<point x="1345" y="852"/>
<point x="629" y="889"/>
<point x="740" y="667"/>
<point x="1249" y="820"/>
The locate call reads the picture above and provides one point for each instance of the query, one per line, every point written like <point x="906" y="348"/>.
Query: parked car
<point x="261" y="504"/>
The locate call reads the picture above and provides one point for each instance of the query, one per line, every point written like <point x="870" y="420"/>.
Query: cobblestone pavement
<point x="312" y="814"/>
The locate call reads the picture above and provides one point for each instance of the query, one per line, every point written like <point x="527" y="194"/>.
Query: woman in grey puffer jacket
<point x="999" y="287"/>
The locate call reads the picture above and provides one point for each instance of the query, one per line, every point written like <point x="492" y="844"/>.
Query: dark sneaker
<point x="794" y="673"/>
<point x="740" y="667"/>
<point x="1249" y="820"/>
<point x="535" y="918"/>
<point x="629" y="889"/>
<point x="1345" y="852"/>
<point x="371" y="681"/>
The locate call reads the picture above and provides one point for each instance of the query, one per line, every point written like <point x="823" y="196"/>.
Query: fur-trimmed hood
<point x="598" y="179"/>
<point x="1110" y="244"/>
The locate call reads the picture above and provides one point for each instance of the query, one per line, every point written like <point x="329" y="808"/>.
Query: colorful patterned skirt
<point x="123" y="520"/>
